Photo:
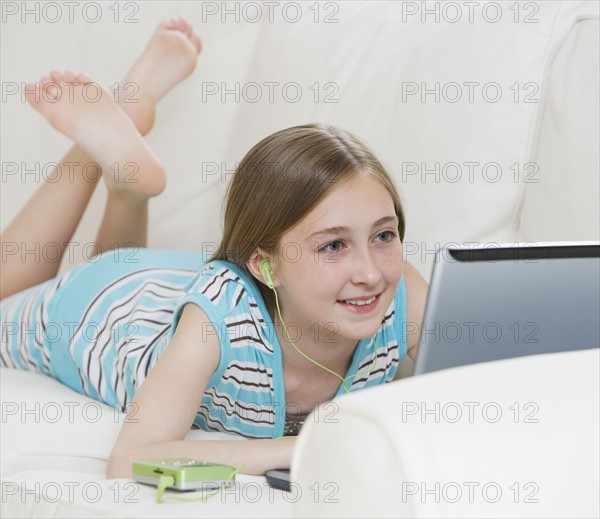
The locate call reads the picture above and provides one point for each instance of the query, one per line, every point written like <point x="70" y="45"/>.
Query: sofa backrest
<point x="486" y="114"/>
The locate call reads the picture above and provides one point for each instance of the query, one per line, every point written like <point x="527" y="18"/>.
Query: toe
<point x="56" y="76"/>
<point x="85" y="79"/>
<point x="171" y="23"/>
<point x="70" y="77"/>
<point x="49" y="86"/>
<point x="45" y="80"/>
<point x="195" y="39"/>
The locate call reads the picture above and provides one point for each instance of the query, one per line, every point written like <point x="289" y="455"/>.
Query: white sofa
<point x="515" y="158"/>
<point x="513" y="438"/>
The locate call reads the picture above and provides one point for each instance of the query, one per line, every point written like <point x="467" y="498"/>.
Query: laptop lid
<point x="501" y="301"/>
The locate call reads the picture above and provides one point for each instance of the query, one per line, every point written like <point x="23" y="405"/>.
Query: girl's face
<point x="343" y="254"/>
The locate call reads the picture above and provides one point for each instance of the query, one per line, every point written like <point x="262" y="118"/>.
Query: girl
<point x="307" y="297"/>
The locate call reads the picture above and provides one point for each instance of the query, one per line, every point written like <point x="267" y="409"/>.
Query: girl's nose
<point x="365" y="270"/>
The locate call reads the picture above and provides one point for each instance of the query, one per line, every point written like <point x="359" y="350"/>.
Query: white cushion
<point x="54" y="450"/>
<point x="527" y="428"/>
<point x="370" y="61"/>
<point x="562" y="201"/>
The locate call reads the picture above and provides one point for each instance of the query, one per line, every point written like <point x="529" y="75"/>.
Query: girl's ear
<point x="253" y="265"/>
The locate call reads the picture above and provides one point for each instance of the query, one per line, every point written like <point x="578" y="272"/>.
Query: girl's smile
<point x="360" y="305"/>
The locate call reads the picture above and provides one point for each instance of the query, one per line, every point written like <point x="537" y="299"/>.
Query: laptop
<point x="501" y="301"/>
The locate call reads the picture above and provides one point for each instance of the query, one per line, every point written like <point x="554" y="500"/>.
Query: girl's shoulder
<point x="227" y="294"/>
<point x="225" y="283"/>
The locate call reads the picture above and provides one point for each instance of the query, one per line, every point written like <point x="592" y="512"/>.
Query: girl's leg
<point x="169" y="58"/>
<point x="33" y="243"/>
<point x="54" y="212"/>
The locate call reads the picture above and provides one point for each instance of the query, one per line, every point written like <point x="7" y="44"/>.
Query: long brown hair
<point x="281" y="179"/>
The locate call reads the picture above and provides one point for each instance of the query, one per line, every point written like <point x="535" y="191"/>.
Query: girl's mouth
<point x="360" y="306"/>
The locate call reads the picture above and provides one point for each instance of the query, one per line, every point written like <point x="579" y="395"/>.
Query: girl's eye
<point x="334" y="246"/>
<point x="387" y="235"/>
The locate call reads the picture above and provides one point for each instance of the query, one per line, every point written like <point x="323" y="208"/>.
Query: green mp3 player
<point x="187" y="474"/>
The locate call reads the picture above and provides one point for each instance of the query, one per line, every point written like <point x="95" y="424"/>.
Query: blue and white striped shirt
<point x="246" y="393"/>
<point x="102" y="326"/>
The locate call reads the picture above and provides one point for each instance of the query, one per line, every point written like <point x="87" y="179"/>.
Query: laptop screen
<point x="502" y="301"/>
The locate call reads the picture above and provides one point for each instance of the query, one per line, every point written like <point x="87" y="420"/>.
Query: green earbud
<point x="267" y="272"/>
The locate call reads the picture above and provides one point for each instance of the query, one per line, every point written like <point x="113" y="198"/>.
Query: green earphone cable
<point x="167" y="481"/>
<point x="373" y="359"/>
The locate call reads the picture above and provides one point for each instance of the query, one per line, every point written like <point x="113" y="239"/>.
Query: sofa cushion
<point x="512" y="438"/>
<point x="54" y="451"/>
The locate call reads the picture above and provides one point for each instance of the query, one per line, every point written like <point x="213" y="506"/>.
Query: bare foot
<point x="83" y="110"/>
<point x="169" y="57"/>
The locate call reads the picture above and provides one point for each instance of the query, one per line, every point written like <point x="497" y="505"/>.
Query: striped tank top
<point x="246" y="393"/>
<point x="101" y="327"/>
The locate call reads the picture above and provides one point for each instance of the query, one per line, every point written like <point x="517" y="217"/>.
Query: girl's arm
<point x="166" y="404"/>
<point x="416" y="298"/>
